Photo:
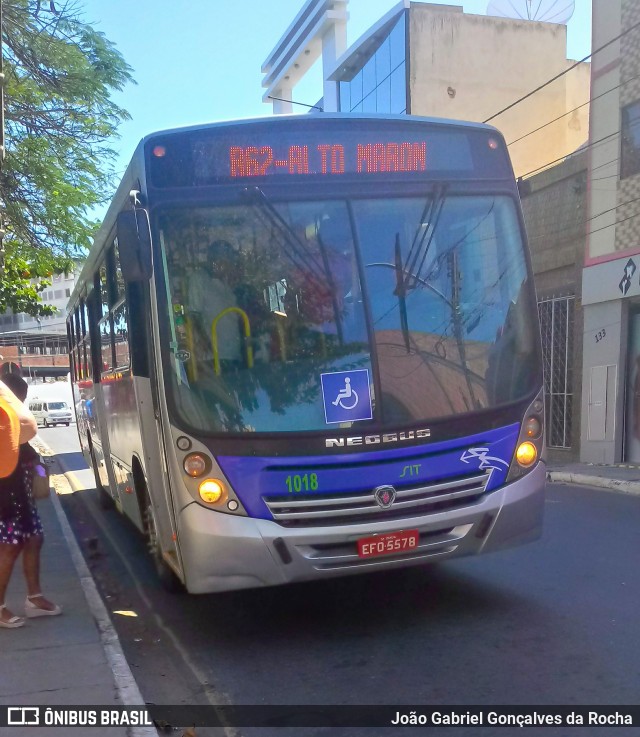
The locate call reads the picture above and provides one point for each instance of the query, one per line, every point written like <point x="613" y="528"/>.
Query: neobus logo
<point x="390" y="437"/>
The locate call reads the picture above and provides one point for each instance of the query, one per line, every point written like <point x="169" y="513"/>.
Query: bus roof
<point x="310" y="118"/>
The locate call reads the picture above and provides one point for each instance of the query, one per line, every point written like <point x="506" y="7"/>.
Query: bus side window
<point x="93" y="330"/>
<point x="120" y="316"/>
<point x="108" y="294"/>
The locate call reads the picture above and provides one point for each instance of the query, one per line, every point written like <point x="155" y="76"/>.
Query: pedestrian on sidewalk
<point x="20" y="527"/>
<point x="17" y="426"/>
<point x="9" y="436"/>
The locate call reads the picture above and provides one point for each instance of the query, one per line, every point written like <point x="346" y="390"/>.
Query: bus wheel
<point x="168" y="579"/>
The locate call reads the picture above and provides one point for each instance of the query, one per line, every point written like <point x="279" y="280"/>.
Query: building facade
<point x="554" y="203"/>
<point x="39" y="344"/>
<point x="437" y="61"/>
<point x="611" y="275"/>
<point x="57" y="295"/>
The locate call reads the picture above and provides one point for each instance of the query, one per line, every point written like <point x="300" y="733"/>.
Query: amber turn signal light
<point x="212" y="491"/>
<point x="526" y="454"/>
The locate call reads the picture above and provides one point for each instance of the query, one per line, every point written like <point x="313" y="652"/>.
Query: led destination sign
<point x="330" y="149"/>
<point x="370" y="158"/>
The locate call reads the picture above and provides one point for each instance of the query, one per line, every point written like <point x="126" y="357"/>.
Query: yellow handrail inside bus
<point x="247" y="336"/>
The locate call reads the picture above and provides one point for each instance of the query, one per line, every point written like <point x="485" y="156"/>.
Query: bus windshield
<point x="428" y="294"/>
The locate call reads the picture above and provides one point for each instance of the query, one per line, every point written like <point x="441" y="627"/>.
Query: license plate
<point x="392" y="542"/>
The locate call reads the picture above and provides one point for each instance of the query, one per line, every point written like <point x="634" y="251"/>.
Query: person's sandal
<point x="32" y="610"/>
<point x="11" y="623"/>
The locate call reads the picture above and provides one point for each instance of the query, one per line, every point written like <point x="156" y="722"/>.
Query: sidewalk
<point x="71" y="660"/>
<point x="621" y="478"/>
<point x="76" y="659"/>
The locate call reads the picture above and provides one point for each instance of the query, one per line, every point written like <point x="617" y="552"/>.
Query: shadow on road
<point x="71" y="461"/>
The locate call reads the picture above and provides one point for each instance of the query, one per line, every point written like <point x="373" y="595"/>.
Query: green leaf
<point x="60" y="126"/>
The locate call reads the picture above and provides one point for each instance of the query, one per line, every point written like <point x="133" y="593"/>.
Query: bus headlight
<point x="530" y="446"/>
<point x="526" y="454"/>
<point x="196" y="464"/>
<point x="212" y="491"/>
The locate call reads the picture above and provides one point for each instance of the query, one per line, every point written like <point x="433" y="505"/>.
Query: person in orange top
<point x="17" y="426"/>
<point x="20" y="526"/>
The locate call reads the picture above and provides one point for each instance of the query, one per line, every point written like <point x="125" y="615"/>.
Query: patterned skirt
<point x="19" y="518"/>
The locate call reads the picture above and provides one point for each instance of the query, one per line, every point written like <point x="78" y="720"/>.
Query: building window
<point x="380" y="84"/>
<point x="556" y="328"/>
<point x="630" y="136"/>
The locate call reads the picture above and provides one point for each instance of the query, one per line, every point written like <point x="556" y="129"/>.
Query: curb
<point x="124" y="683"/>
<point x="565" y="477"/>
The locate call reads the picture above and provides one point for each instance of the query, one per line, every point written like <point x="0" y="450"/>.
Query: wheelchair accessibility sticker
<point x="346" y="396"/>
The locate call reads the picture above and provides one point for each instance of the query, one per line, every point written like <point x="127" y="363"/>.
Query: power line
<point x="601" y="179"/>
<point x="39" y="330"/>
<point x="293" y="102"/>
<point x="601" y="166"/>
<point x="593" y="217"/>
<point x="573" y="110"/>
<point x="580" y="150"/>
<point x="566" y="71"/>
<point x="611" y="225"/>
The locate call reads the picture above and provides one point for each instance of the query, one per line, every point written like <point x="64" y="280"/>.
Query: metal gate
<point x="556" y="327"/>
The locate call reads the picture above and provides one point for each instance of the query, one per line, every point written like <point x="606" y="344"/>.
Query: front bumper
<point x="221" y="552"/>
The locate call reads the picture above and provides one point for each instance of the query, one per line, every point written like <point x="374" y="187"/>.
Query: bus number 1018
<point x="302" y="482"/>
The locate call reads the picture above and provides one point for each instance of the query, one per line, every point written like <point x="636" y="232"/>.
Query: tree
<point x="60" y="122"/>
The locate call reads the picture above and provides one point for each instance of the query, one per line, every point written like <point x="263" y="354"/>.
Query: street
<point x="553" y="623"/>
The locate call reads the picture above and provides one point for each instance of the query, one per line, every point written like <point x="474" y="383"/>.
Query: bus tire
<point x="168" y="579"/>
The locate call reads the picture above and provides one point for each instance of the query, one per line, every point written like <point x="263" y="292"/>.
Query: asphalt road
<point x="552" y="623"/>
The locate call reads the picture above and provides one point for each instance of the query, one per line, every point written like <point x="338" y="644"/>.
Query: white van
<point x="53" y="412"/>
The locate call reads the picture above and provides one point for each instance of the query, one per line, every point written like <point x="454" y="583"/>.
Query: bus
<point x="308" y="346"/>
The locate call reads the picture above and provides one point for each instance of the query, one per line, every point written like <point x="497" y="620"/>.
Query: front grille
<point x="338" y="509"/>
<point x="344" y="554"/>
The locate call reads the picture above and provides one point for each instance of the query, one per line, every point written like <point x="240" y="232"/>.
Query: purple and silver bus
<point x="308" y="346"/>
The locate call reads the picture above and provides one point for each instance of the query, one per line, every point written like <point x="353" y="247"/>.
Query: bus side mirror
<point x="134" y="245"/>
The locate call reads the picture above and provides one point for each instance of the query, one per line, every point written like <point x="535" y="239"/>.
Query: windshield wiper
<point x="431" y="217"/>
<point x="401" y="293"/>
<point x="320" y="273"/>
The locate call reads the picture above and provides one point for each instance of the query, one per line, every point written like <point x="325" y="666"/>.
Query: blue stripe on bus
<point x="253" y="478"/>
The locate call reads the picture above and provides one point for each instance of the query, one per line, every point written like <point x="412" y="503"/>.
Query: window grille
<point x="556" y="327"/>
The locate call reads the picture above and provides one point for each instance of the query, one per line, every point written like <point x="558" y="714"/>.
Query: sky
<point x="200" y="61"/>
